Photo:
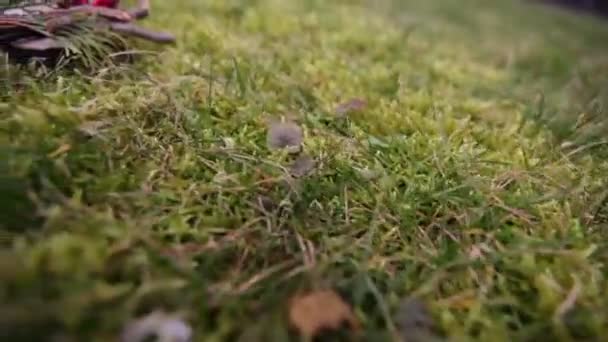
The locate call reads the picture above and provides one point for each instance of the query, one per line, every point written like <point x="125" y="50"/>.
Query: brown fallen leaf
<point x="314" y="312"/>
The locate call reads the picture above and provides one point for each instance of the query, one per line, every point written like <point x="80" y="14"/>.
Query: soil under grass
<point x="468" y="168"/>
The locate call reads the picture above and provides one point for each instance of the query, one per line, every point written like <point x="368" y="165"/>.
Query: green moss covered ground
<point x="474" y="178"/>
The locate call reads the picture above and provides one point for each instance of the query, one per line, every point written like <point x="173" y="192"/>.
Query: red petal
<point x="106" y="3"/>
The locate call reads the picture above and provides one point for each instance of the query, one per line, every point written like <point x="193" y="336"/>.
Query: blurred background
<point x="599" y="7"/>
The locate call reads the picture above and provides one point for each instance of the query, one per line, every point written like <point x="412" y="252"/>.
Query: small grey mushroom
<point x="266" y="204"/>
<point x="352" y="105"/>
<point x="302" y="166"/>
<point x="415" y="322"/>
<point x="285" y="135"/>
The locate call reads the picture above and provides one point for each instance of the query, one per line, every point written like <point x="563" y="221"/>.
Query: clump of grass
<point x="451" y="185"/>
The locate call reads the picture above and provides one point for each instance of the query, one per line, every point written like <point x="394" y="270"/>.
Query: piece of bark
<point x="141" y="11"/>
<point x="140" y="32"/>
<point x="40" y="44"/>
<point x="109" y="13"/>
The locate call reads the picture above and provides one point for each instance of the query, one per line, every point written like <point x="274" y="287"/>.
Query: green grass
<point x="474" y="179"/>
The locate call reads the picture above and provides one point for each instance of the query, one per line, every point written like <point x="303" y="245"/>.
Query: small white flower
<point x="162" y="326"/>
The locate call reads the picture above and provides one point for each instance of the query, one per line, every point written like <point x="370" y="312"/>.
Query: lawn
<point x="453" y="154"/>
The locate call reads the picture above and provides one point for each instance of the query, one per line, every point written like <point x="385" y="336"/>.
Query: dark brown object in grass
<point x="43" y="30"/>
<point x="415" y="322"/>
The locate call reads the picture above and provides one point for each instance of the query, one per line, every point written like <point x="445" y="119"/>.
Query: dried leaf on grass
<point x="285" y="135"/>
<point x="415" y="322"/>
<point x="302" y="166"/>
<point x="320" y="310"/>
<point x="159" y="326"/>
